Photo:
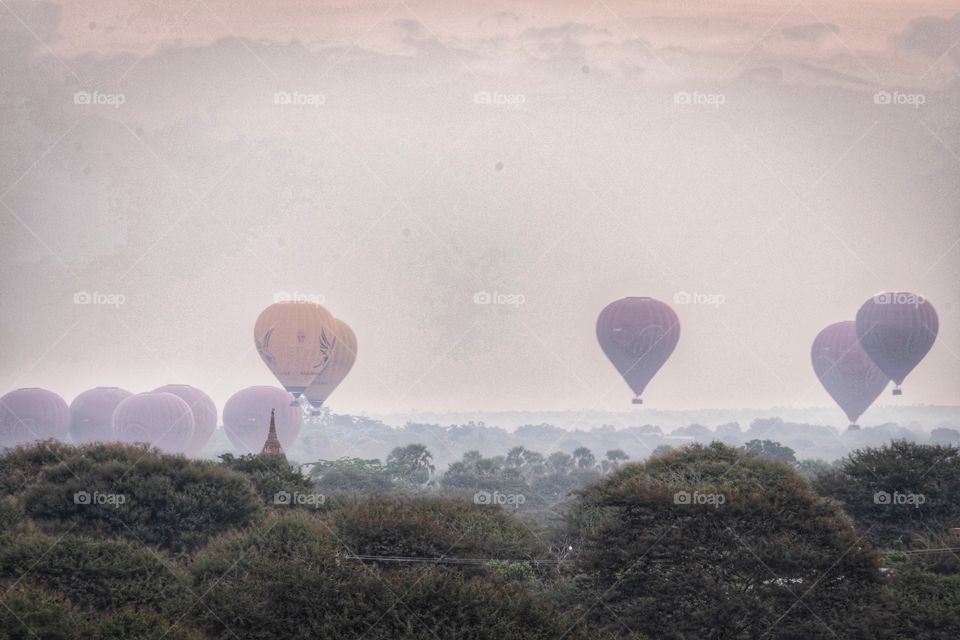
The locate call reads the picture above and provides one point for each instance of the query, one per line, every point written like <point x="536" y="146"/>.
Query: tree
<point x="584" y="458"/>
<point x="706" y="542"/>
<point x="130" y="492"/>
<point x="899" y="493"/>
<point x="432" y="528"/>
<point x="924" y="605"/>
<point x="28" y="613"/>
<point x="615" y="457"/>
<point x="291" y="580"/>
<point x="269" y="474"/>
<point x="97" y="575"/>
<point x="476" y="478"/>
<point x="945" y="435"/>
<point x="813" y="469"/>
<point x="411" y="464"/>
<point x="351" y="476"/>
<point x="771" y="450"/>
<point x="560" y="462"/>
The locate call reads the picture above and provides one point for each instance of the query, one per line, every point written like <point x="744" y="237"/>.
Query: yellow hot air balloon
<point x="296" y="341"/>
<point x="341" y="361"/>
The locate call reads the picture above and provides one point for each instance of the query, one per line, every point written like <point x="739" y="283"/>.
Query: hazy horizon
<point x="763" y="168"/>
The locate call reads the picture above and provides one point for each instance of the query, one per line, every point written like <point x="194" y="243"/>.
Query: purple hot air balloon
<point x="27" y="415"/>
<point x="204" y="413"/>
<point x="897" y="329"/>
<point x="638" y="335"/>
<point x="845" y="370"/>
<point x="161" y="420"/>
<point x="91" y="414"/>
<point x="246" y="418"/>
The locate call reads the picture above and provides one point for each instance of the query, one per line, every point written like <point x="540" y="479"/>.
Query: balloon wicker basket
<point x="853" y="427"/>
<point x="897" y="392"/>
<point x="637" y="401"/>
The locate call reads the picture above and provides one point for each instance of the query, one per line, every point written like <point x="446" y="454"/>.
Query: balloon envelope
<point x="295" y="340"/>
<point x="342" y="357"/>
<point x="845" y="370"/>
<point x="160" y="420"/>
<point x="91" y="414"/>
<point x="27" y="415"/>
<point x="246" y="418"/>
<point x="897" y="329"/>
<point x="638" y="335"/>
<point x="203" y="409"/>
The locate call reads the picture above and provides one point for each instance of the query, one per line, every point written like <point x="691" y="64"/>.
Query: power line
<point x="442" y="560"/>
<point x="950" y="549"/>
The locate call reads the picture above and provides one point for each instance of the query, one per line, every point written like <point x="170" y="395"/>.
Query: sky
<point x="168" y="169"/>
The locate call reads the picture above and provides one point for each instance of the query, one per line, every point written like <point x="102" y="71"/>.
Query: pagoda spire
<point x="272" y="446"/>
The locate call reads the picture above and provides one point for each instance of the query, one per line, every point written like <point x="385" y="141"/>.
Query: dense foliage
<point x="128" y="492"/>
<point x="709" y="542"/>
<point x="899" y="494"/>
<point x="696" y="542"/>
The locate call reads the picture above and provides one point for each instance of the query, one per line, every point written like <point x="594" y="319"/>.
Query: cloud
<point x="933" y="36"/>
<point x="810" y="32"/>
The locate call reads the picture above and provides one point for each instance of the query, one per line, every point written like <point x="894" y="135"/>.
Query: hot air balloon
<point x="27" y="415"/>
<point x="91" y="414"/>
<point x="638" y="335"/>
<point x="897" y="329"/>
<point x="160" y="420"/>
<point x="342" y="357"/>
<point x="204" y="413"/>
<point x="296" y="340"/>
<point x="246" y="418"/>
<point x="845" y="370"/>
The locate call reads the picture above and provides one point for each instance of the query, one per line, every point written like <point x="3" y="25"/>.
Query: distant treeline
<point x="331" y="436"/>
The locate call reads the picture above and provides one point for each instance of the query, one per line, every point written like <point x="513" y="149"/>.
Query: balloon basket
<point x="897" y="392"/>
<point x="853" y="427"/>
<point x="637" y="401"/>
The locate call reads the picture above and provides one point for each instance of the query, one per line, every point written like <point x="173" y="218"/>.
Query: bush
<point x="713" y="542"/>
<point x="869" y="482"/>
<point x="28" y="613"/>
<point x="93" y="574"/>
<point x="287" y="579"/>
<point x="23" y="465"/>
<point x="926" y="605"/>
<point x="432" y="528"/>
<point x="269" y="474"/>
<point x="158" y="500"/>
<point x="132" y="624"/>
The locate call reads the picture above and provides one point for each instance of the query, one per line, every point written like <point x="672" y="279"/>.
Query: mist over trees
<point x="331" y="436"/>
